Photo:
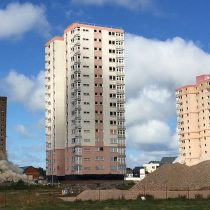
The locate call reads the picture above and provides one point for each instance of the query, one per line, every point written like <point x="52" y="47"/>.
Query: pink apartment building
<point x="193" y="118"/>
<point x="84" y="98"/>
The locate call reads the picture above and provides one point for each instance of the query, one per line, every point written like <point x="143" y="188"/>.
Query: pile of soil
<point x="177" y="177"/>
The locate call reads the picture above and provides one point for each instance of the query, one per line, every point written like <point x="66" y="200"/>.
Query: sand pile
<point x="177" y="177"/>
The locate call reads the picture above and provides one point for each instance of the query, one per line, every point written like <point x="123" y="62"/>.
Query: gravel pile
<point x="177" y="177"/>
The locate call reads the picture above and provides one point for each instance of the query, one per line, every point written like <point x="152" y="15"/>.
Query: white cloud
<point x="17" y="19"/>
<point x="130" y="4"/>
<point x="151" y="135"/>
<point x="172" y="63"/>
<point x="157" y="95"/>
<point x="22" y="131"/>
<point x="148" y="103"/>
<point x="23" y="89"/>
<point x="74" y="13"/>
<point x="154" y="69"/>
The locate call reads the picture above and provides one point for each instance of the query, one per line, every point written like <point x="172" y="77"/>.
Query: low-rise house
<point x="139" y="172"/>
<point x="129" y="172"/>
<point x="151" y="166"/>
<point x="33" y="174"/>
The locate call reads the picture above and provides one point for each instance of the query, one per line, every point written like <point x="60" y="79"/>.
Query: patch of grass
<point x="48" y="200"/>
<point x="20" y="185"/>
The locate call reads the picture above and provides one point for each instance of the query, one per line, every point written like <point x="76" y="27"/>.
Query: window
<point x="113" y="122"/>
<point x="113" y="104"/>
<point x="114" y="168"/>
<point x="113" y="114"/>
<point x="111" y="68"/>
<point x="112" y="86"/>
<point x="111" y="42"/>
<point x="114" y="149"/>
<point x="99" y="167"/>
<point x="114" y="159"/>
<point x="86" y="112"/>
<point x="113" y="141"/>
<point x="113" y="131"/>
<point x="111" y="51"/>
<point x="86" y="140"/>
<point x="112" y="95"/>
<point x="100" y="158"/>
<point x="112" y="77"/>
<point x="111" y="59"/>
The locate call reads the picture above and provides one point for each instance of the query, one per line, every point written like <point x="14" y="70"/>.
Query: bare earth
<point x="177" y="177"/>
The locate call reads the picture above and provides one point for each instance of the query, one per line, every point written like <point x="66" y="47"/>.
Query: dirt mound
<point x="177" y="177"/>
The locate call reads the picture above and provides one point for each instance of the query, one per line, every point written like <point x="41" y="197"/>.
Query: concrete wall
<point x="134" y="194"/>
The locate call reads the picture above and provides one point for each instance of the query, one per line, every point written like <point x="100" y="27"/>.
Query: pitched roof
<point x="25" y="167"/>
<point x="155" y="161"/>
<point x="165" y="160"/>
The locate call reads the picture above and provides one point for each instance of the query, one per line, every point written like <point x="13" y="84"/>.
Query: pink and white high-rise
<point x="85" y="97"/>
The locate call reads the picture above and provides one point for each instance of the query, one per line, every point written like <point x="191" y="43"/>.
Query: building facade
<point x="85" y="96"/>
<point x="193" y="119"/>
<point x="151" y="166"/>
<point x="3" y="125"/>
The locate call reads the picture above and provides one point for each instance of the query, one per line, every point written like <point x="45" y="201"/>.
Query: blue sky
<point x="167" y="45"/>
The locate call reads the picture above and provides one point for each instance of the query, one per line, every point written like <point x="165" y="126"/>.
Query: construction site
<point x="170" y="181"/>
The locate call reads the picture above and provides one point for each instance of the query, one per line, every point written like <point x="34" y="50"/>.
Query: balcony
<point x="121" y="109"/>
<point x="121" y="136"/>
<point x="77" y="152"/>
<point x="121" y="119"/>
<point x="121" y="127"/>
